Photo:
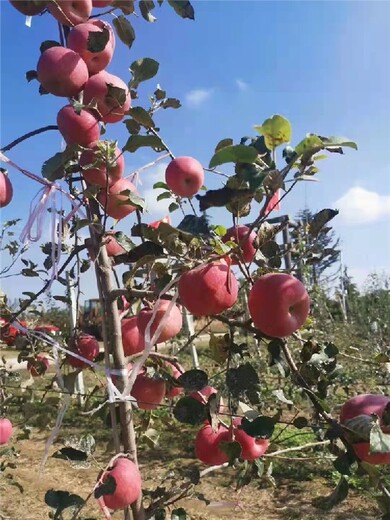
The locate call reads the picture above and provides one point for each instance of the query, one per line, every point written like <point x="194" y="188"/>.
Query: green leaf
<point x="242" y="378"/>
<point x="335" y="141"/>
<point x="138" y="141"/>
<point x="108" y="487"/>
<point x="261" y="426"/>
<point x="190" y="411"/>
<point x="183" y="8"/>
<point x="160" y="184"/>
<point x="133" y="199"/>
<point x="232" y="450"/>
<point x="173" y="207"/>
<point x="300" y="422"/>
<point x="343" y="464"/>
<point x="379" y="441"/>
<point x="234" y="153"/>
<point x="97" y="40"/>
<point x="193" y="380"/>
<point x="142" y="70"/>
<point x="124" y="241"/>
<point x="63" y="299"/>
<point x="48" y="44"/>
<point x="170" y="103"/>
<point x="320" y="219"/>
<point x="223" y="144"/>
<point x="164" y="195"/>
<point x="146" y="6"/>
<point x="179" y="514"/>
<point x="132" y="126"/>
<point x="127" y="6"/>
<point x="31" y="74"/>
<point x="124" y="30"/>
<point x="311" y="144"/>
<point x="55" y="168"/>
<point x="159" y="93"/>
<point x="276" y="131"/>
<point x="142" y="117"/>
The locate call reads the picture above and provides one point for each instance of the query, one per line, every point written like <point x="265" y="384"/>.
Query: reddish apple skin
<point x="128" y="484"/>
<point x="113" y="247"/>
<point x="43" y="365"/>
<point x="6" y="190"/>
<point x="82" y="129"/>
<point x="6" y="430"/>
<point x="208" y="289"/>
<point x="278" y="304"/>
<point x="366" y="404"/>
<point x="237" y="234"/>
<point x="101" y="3"/>
<point x="70" y="12"/>
<point x="172" y="326"/>
<point x="110" y="201"/>
<point x="132" y="339"/>
<point x="78" y="42"/>
<point x="29" y="7"/>
<point x="149" y="392"/>
<point x="173" y="391"/>
<point x="207" y="442"/>
<point x="85" y="346"/>
<point x="104" y="172"/>
<point x="203" y="395"/>
<point x="251" y="448"/>
<point x="184" y="176"/>
<point x="62" y="72"/>
<point x="108" y="109"/>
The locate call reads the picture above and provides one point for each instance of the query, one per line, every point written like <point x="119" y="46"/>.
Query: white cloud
<point x="147" y="178"/>
<point x="195" y="98"/>
<point x="241" y="85"/>
<point x="361" y="206"/>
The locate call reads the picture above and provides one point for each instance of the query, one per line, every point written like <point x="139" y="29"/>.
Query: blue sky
<point x="324" y="65"/>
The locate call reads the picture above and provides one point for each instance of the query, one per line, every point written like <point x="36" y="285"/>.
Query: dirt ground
<point x="290" y="500"/>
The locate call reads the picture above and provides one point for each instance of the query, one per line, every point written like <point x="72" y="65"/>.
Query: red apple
<point x="85" y="346"/>
<point x="5" y="430"/>
<point x="113" y="247"/>
<point x="70" y="12"/>
<point x="29" y="7"/>
<point x="132" y="339"/>
<point x="111" y="105"/>
<point x="251" y="447"/>
<point x="112" y="202"/>
<point x="207" y="443"/>
<point x="184" y="176"/>
<point x="173" y="391"/>
<point x="47" y="329"/>
<point x="78" y="41"/>
<point x="6" y="190"/>
<point x="238" y="234"/>
<point x="39" y="367"/>
<point x="208" y="289"/>
<point x="101" y="3"/>
<point x="148" y="391"/>
<point x="278" y="304"/>
<point x="366" y="404"/>
<point x="62" y="72"/>
<point x="173" y="323"/>
<point x="203" y="395"/>
<point x="82" y="129"/>
<point x="128" y="484"/>
<point x="103" y="164"/>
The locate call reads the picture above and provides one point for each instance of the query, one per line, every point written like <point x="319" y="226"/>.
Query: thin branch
<point x="27" y="136"/>
<point x="153" y="131"/>
<point x="298" y="448"/>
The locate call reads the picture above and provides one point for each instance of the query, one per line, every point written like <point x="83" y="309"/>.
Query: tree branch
<point x="27" y="136"/>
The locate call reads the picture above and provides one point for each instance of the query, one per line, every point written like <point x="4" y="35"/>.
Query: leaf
<point x="183" y="8"/>
<point x="145" y="249"/>
<point x="223" y="144"/>
<point x="138" y="141"/>
<point x="179" y="514"/>
<point x="334" y="141"/>
<point x="97" y="40"/>
<point x="280" y="395"/>
<point x="300" y="422"/>
<point x="276" y="131"/>
<point x="170" y="103"/>
<point x="48" y="44"/>
<point x="164" y="195"/>
<point x="193" y="380"/>
<point x="195" y="225"/>
<point x="161" y="185"/>
<point x="335" y="498"/>
<point x="310" y="145"/>
<point x="223" y="197"/>
<point x="142" y="70"/>
<point x="233" y="153"/>
<point x="242" y="378"/>
<point x="343" y="463"/>
<point x="63" y="299"/>
<point x="107" y="487"/>
<point x="173" y="207"/>
<point x="55" y="168"/>
<point x="132" y="126"/>
<point x="232" y="450"/>
<point x="261" y="426"/>
<point x="142" y="117"/>
<point x="126" y="6"/>
<point x="145" y="7"/>
<point x="31" y="74"/>
<point x="190" y="411"/>
<point x="320" y="219"/>
<point x="124" y="30"/>
<point x="124" y="241"/>
<point x="379" y="441"/>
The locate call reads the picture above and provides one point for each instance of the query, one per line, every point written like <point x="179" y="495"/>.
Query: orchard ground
<point x="299" y="479"/>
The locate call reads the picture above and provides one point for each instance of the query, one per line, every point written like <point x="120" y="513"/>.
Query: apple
<point x="62" y="72"/>
<point x="251" y="447"/>
<point x="5" y="430"/>
<point x="111" y="105"/>
<point x="173" y="391"/>
<point x="39" y="366"/>
<point x="84" y="345"/>
<point x="148" y="391"/>
<point x="112" y="202"/>
<point x="113" y="247"/>
<point x="78" y="41"/>
<point x="203" y="395"/>
<point x="128" y="484"/>
<point x="366" y="404"/>
<point x="101" y="3"/>
<point x="132" y="339"/>
<point x="208" y="289"/>
<point x="29" y="7"/>
<point x="6" y="190"/>
<point x="47" y="329"/>
<point x="278" y="304"/>
<point x="184" y="176"/>
<point x="70" y="12"/>
<point x="172" y="326"/>
<point x="207" y="442"/>
<point x="103" y="164"/>
<point x="78" y="128"/>
<point x="237" y="234"/>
